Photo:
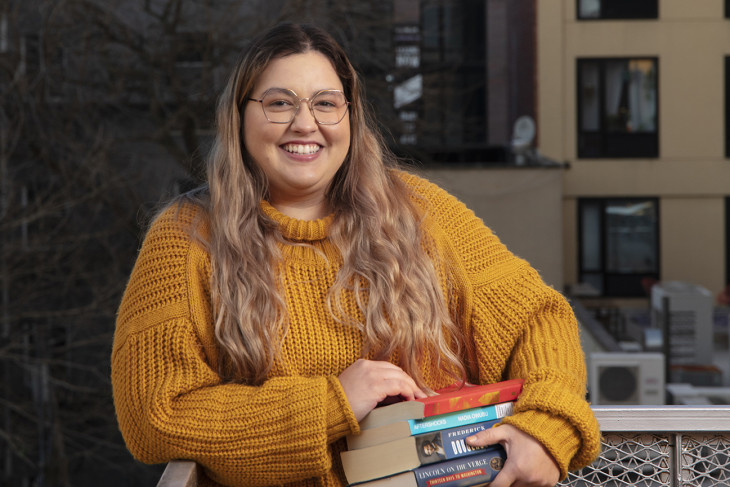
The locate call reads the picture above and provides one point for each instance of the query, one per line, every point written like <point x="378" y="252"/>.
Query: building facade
<point x="634" y="96"/>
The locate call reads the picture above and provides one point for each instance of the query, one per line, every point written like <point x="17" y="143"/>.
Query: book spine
<point x="460" y="418"/>
<point x="462" y="472"/>
<point x="473" y="397"/>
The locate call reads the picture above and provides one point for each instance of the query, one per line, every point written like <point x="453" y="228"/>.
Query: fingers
<point x="505" y="478"/>
<point x="387" y="379"/>
<point x="528" y="464"/>
<point x="367" y="382"/>
<point x="488" y="437"/>
<point x="491" y="436"/>
<point x="391" y="380"/>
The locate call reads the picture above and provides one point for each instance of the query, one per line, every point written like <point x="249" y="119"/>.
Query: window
<point x="438" y="80"/>
<point x="618" y="244"/>
<point x="617" y="108"/>
<point x="618" y="9"/>
<point x="454" y="62"/>
<point x="727" y="106"/>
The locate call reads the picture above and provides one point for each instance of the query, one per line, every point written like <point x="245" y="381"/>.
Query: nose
<point x="304" y="120"/>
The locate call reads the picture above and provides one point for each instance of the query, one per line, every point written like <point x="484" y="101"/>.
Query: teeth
<point x="301" y="148"/>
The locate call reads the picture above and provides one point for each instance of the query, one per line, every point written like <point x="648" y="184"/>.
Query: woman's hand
<point x="528" y="463"/>
<point x="367" y="382"/>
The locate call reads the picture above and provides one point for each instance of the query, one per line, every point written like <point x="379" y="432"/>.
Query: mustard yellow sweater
<point x="171" y="404"/>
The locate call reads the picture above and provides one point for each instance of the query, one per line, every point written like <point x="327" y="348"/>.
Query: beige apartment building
<point x="632" y="95"/>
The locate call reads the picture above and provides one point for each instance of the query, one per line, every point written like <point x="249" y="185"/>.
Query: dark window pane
<point x="727" y="105"/>
<point x="629" y="9"/>
<point x="439" y="85"/>
<point x="626" y="285"/>
<point x="630" y="145"/>
<point x="589" y="93"/>
<point x="590" y="144"/>
<point x="631" y="237"/>
<point x="618" y="244"/>
<point x="594" y="280"/>
<point x="617" y="108"/>
<point x="590" y="235"/>
<point x="618" y="9"/>
<point x="630" y="96"/>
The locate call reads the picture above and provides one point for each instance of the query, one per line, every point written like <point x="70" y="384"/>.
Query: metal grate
<point x="642" y="446"/>
<point x="626" y="460"/>
<point x="704" y="460"/>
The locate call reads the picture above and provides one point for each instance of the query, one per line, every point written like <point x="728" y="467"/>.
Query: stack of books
<point x="421" y="443"/>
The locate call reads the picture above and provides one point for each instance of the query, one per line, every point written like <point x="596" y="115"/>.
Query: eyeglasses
<point x="328" y="107"/>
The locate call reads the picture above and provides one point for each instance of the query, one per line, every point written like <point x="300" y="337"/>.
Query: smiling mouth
<point x="301" y="148"/>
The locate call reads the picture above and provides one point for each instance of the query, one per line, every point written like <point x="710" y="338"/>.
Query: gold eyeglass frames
<point x="280" y="105"/>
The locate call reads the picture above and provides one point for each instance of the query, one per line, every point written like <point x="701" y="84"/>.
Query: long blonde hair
<point x="375" y="227"/>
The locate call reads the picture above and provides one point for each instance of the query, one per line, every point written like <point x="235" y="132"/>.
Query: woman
<point x="271" y="310"/>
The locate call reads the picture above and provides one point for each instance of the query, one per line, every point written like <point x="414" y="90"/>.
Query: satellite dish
<point x="523" y="132"/>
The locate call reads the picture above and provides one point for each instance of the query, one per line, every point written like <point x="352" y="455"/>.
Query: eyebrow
<point x="296" y="93"/>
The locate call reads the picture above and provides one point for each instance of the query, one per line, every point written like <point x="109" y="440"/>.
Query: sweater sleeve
<point x="518" y="327"/>
<point x="171" y="403"/>
<point x="527" y="330"/>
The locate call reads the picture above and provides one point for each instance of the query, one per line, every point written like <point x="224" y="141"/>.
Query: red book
<point x="471" y="396"/>
<point x="446" y="400"/>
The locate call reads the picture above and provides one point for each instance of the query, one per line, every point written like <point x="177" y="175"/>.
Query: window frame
<point x="651" y="12"/>
<point x="615" y="284"/>
<point x="613" y="145"/>
<point x="727" y="105"/>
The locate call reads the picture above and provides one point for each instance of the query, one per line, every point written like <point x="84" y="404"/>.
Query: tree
<point x="89" y="95"/>
<point x="104" y="110"/>
<point x="67" y="232"/>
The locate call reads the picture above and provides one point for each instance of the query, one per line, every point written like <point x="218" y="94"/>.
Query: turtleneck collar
<point x="298" y="230"/>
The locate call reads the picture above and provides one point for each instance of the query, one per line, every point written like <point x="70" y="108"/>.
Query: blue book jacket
<point x="460" y="418"/>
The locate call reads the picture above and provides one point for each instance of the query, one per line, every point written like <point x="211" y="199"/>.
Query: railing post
<point x="677" y="467"/>
<point x="179" y="473"/>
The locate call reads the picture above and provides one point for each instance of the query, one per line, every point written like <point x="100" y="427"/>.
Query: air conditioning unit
<point x="687" y="309"/>
<point x="617" y="378"/>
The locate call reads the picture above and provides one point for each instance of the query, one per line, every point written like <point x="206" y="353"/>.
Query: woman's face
<point x="299" y="158"/>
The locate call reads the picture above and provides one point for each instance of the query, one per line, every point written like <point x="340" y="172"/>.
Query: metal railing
<point x="179" y="473"/>
<point x="644" y="446"/>
<point x="654" y="446"/>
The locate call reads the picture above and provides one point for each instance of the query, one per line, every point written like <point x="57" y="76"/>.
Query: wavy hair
<point x="376" y="222"/>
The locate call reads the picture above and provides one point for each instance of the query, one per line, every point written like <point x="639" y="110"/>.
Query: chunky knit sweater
<point x="171" y="403"/>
